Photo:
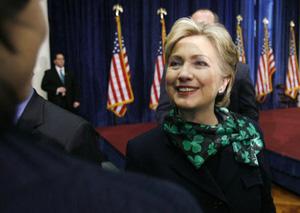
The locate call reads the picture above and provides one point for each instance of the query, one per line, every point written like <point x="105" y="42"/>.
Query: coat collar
<point x="229" y="170"/>
<point x="201" y="178"/>
<point x="33" y="115"/>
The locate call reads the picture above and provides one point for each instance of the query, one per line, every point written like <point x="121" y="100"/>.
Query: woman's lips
<point x="186" y="90"/>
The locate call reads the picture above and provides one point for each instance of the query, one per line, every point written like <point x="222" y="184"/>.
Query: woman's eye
<point x="174" y="64"/>
<point x="201" y="63"/>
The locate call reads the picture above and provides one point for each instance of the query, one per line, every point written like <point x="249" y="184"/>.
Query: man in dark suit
<point x="60" y="85"/>
<point x="48" y="121"/>
<point x="242" y="98"/>
<point x="37" y="177"/>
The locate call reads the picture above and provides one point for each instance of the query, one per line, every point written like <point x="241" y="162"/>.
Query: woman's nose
<point x="185" y="74"/>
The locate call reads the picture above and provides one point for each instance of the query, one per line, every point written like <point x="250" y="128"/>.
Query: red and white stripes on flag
<point x="158" y="70"/>
<point x="292" y="80"/>
<point x="266" y="69"/>
<point x="119" y="87"/>
<point x="158" y="73"/>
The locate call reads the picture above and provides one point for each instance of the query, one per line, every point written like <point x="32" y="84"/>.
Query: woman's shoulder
<point x="150" y="137"/>
<point x="154" y="132"/>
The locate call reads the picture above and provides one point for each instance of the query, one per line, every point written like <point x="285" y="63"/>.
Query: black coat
<point x="36" y="178"/>
<point x="51" y="82"/>
<point x="242" y="98"/>
<point x="221" y="185"/>
<point x="67" y="130"/>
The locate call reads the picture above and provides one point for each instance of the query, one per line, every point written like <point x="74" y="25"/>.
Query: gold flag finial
<point x="162" y="12"/>
<point x="292" y="24"/>
<point x="265" y="21"/>
<point x="118" y="9"/>
<point x="239" y="18"/>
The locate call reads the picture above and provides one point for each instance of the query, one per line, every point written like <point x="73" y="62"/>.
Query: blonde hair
<point x="220" y="39"/>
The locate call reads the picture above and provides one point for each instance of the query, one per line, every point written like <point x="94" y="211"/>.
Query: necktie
<point x="61" y="76"/>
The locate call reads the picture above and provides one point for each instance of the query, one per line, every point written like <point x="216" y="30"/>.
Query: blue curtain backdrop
<point x="83" y="30"/>
<point x="279" y="13"/>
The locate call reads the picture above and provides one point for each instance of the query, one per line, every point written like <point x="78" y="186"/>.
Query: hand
<point x="76" y="104"/>
<point x="61" y="90"/>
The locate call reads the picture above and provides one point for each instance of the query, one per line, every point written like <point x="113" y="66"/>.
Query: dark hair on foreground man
<point x="35" y="177"/>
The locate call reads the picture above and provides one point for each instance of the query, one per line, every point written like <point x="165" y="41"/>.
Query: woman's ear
<point x="224" y="85"/>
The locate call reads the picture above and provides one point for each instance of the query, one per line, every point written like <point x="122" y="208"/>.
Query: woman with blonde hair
<point x="215" y="154"/>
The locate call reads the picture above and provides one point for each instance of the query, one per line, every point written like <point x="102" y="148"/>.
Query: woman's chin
<point x="185" y="106"/>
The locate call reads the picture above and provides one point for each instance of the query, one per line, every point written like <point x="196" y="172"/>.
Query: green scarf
<point x="199" y="142"/>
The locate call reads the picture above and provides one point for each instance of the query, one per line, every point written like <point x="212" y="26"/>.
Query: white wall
<point x="43" y="59"/>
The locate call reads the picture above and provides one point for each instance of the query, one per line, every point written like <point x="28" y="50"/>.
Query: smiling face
<point x="193" y="77"/>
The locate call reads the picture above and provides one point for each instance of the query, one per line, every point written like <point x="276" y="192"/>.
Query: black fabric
<point x="242" y="98"/>
<point x="36" y="177"/>
<point x="70" y="132"/>
<point x="8" y="101"/>
<point x="51" y="81"/>
<point x="228" y="187"/>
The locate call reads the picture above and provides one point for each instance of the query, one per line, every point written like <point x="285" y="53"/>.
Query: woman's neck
<point x="205" y="116"/>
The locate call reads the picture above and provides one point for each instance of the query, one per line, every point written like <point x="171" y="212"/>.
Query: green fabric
<point x="199" y="142"/>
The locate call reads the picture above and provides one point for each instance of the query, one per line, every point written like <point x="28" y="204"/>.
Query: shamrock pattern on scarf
<point x="199" y="141"/>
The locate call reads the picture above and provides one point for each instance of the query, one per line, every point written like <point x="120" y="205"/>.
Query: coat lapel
<point x="228" y="169"/>
<point x="55" y="73"/>
<point x="33" y="115"/>
<point x="202" y="178"/>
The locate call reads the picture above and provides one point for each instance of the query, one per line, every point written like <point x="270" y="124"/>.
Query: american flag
<point x="159" y="65"/>
<point x="292" y="74"/>
<point x="158" y="72"/>
<point x="266" y="68"/>
<point x="240" y="44"/>
<point x="119" y="87"/>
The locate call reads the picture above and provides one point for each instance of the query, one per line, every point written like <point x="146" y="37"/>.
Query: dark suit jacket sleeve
<point x="85" y="144"/>
<point x="164" y="104"/>
<point x="47" y="83"/>
<point x="247" y="101"/>
<point x="137" y="154"/>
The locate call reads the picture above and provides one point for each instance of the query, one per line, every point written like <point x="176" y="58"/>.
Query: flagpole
<point x="162" y="12"/>
<point x="266" y="67"/>
<point x="292" y="75"/>
<point x="119" y="87"/>
<point x="240" y="40"/>
<point x="119" y="9"/>
<point x="159" y="63"/>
